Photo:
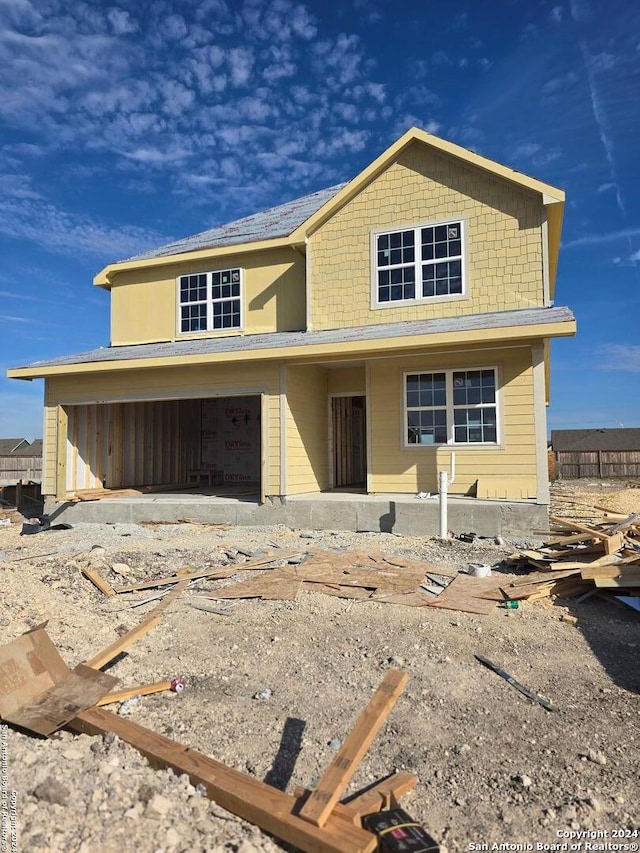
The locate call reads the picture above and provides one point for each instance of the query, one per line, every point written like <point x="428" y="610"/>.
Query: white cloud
<point x="609" y="185"/>
<point x="121" y="22"/>
<point x="620" y="357"/>
<point x="525" y="149"/>
<point x="73" y="235"/>
<point x="604" y="237"/>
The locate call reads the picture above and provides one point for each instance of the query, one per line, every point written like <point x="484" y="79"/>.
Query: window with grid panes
<point x="420" y="263"/>
<point x="210" y="301"/>
<point x="451" y="407"/>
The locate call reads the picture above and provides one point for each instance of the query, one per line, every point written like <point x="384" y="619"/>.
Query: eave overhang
<point x="318" y="346"/>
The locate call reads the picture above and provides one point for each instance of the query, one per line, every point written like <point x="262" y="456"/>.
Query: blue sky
<point x="126" y="125"/>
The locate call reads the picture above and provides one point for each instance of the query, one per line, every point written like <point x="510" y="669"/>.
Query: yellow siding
<point x="144" y="302"/>
<point x="307" y="430"/>
<point x="165" y="384"/>
<point x="395" y="468"/>
<point x="347" y="380"/>
<point x="49" y="456"/>
<point x="504" y="241"/>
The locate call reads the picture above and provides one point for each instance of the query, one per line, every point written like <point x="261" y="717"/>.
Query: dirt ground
<point x="273" y="687"/>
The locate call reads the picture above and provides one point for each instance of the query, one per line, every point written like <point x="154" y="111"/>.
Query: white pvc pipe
<point x="443" y="488"/>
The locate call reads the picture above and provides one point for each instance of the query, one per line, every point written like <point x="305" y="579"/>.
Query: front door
<point x="349" y="441"/>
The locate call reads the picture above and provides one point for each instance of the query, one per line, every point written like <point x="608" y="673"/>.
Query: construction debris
<point x="535" y="697"/>
<point x="604" y="555"/>
<point x="47" y="695"/>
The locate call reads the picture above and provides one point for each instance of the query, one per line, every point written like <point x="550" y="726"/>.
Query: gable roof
<point x="10" y="445"/>
<point x="567" y="440"/>
<point x="280" y="221"/>
<point x="34" y="449"/>
<point x="291" y="223"/>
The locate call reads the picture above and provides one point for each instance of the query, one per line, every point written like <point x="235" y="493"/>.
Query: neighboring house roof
<point x="10" y="445"/>
<point x="34" y="449"/>
<point x="292" y="222"/>
<point x="470" y="323"/>
<point x="280" y="221"/>
<point x="576" y="440"/>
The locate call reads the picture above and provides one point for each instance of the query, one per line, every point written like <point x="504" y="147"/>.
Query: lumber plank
<point x="150" y="621"/>
<point x="370" y="800"/>
<point x="244" y="796"/>
<point x="122" y="643"/>
<point x="98" y="581"/>
<point x="613" y="571"/>
<point x="583" y="528"/>
<point x="129" y="693"/>
<point x="616" y="583"/>
<point x="336" y="777"/>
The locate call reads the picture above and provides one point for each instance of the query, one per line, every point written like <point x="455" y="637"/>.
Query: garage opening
<point x="212" y="445"/>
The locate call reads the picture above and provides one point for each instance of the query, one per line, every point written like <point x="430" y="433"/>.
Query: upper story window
<point x="210" y="301"/>
<point x="421" y="263"/>
<point x="451" y="407"/>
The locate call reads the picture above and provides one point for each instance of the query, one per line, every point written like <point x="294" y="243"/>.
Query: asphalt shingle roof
<point x="269" y="224"/>
<point x="245" y="343"/>
<point x="576" y="440"/>
<point x="8" y="445"/>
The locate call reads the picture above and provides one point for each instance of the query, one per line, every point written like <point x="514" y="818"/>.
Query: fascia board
<point x="550" y="194"/>
<point x="105" y="277"/>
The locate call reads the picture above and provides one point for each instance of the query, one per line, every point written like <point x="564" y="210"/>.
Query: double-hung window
<point x="421" y="263"/>
<point x="451" y="407"/>
<point x="210" y="301"/>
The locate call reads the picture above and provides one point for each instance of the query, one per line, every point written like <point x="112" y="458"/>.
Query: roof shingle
<point x="269" y="224"/>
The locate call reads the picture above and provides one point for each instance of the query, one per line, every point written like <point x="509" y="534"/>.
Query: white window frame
<point x="450" y="408"/>
<point x="209" y="302"/>
<point x="418" y="262"/>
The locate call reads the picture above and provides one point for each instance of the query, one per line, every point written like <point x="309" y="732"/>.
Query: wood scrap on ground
<point x="580" y="557"/>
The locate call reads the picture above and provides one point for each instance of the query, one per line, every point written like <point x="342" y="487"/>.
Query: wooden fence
<point x="597" y="464"/>
<point x="14" y="468"/>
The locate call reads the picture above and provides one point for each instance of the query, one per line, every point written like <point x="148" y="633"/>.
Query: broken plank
<point x="239" y="793"/>
<point x="336" y="777"/>
<point x="98" y="581"/>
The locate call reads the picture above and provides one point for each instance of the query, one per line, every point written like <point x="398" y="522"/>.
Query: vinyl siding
<point x="503" y="236"/>
<point x="307" y="430"/>
<point x="144" y="306"/>
<point x="395" y="468"/>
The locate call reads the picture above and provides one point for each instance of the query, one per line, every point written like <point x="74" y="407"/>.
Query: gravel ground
<point x="273" y="688"/>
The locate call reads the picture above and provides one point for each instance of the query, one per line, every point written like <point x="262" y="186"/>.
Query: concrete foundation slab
<point x="404" y="515"/>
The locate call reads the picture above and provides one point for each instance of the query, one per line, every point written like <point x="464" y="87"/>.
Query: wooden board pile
<point x="582" y="559"/>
